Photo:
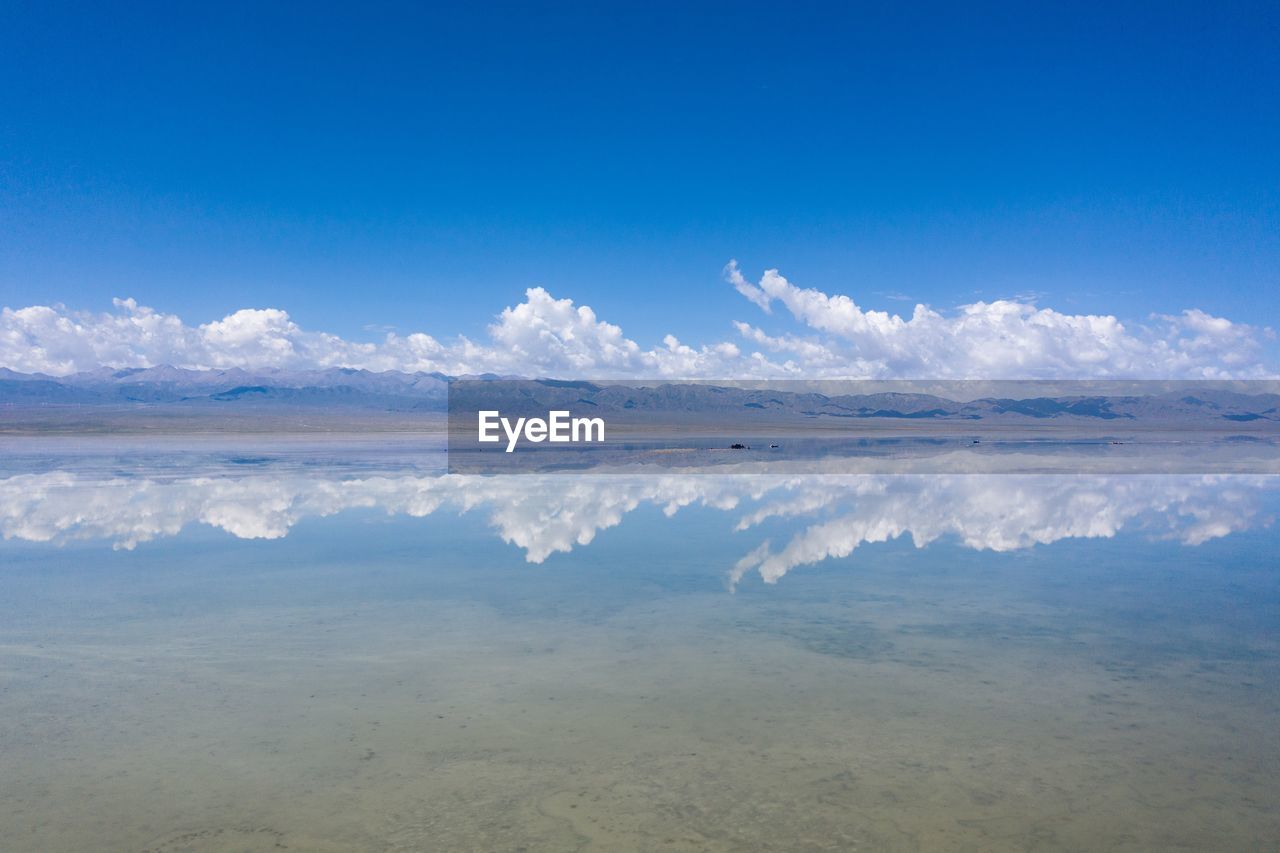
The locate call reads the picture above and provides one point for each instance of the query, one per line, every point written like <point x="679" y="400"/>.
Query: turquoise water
<point x="244" y="650"/>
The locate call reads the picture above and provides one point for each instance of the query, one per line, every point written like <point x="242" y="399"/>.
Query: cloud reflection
<point x="823" y="516"/>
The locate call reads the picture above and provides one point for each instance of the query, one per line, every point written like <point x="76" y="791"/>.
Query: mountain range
<point x="338" y="386"/>
<point x="236" y="390"/>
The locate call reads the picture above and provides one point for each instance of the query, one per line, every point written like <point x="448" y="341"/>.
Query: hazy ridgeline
<point x="335" y="400"/>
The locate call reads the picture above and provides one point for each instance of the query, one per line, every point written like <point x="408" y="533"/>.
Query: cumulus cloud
<point x="542" y="336"/>
<point x="1000" y="339"/>
<point x="831" y="336"/>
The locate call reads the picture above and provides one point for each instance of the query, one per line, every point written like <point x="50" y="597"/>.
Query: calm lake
<point x="221" y="647"/>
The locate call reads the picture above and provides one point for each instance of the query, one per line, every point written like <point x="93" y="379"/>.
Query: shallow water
<point x="232" y="649"/>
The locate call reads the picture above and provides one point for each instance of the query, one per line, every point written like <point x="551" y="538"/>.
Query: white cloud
<point x="1000" y="339"/>
<point x="746" y="288"/>
<point x="546" y="336"/>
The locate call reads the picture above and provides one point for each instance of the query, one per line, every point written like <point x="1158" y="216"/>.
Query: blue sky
<point x="399" y="165"/>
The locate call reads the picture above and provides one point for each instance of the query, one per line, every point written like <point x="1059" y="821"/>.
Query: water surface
<point x="231" y="648"/>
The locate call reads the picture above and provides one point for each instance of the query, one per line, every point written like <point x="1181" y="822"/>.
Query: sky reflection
<point x="542" y="515"/>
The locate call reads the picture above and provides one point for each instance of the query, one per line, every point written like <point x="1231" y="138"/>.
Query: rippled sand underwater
<point x="254" y="656"/>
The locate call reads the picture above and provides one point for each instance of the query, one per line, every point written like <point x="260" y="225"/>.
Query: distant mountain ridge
<point x="1209" y="407"/>
<point x="349" y="389"/>
<point x="338" y="386"/>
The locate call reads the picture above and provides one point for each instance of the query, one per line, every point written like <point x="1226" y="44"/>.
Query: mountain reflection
<point x="829" y="515"/>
